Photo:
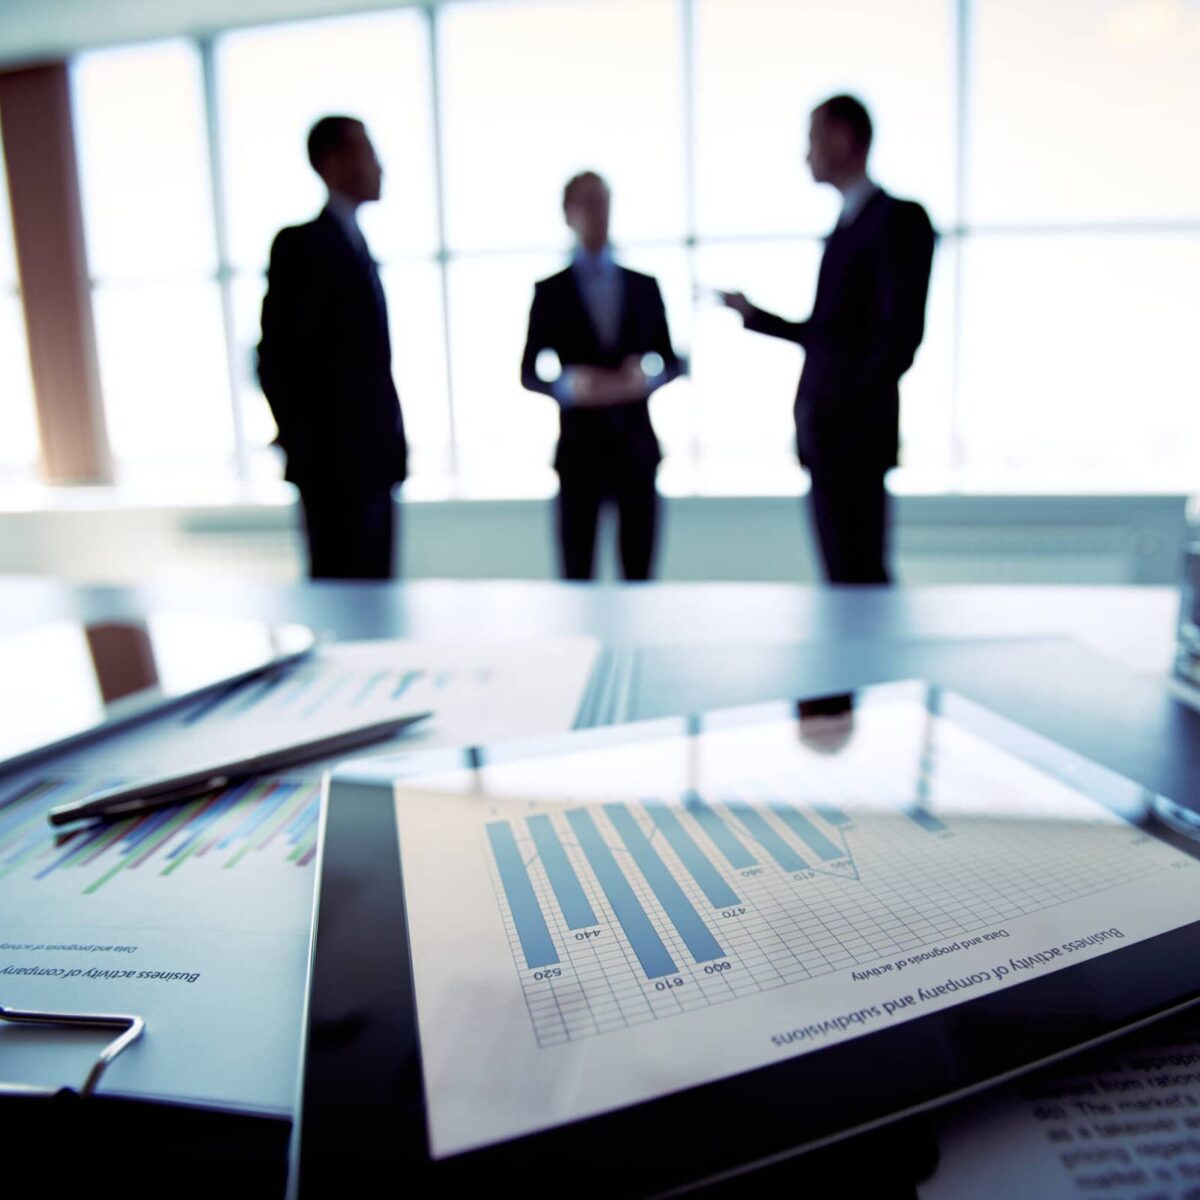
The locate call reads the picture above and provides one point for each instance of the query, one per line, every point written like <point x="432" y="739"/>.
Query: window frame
<point x="692" y="460"/>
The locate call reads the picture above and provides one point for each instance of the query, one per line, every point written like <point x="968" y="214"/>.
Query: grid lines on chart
<point x="899" y="887"/>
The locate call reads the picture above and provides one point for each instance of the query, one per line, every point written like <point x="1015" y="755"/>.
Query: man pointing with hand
<point x="867" y="321"/>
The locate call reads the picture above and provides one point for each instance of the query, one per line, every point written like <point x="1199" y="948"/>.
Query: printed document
<point x="1122" y="1123"/>
<point x="197" y="916"/>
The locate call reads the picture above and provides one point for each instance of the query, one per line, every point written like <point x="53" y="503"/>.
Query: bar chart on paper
<point x="467" y="690"/>
<point x="193" y="915"/>
<point x="269" y="818"/>
<point x="627" y="912"/>
<point x="315" y="688"/>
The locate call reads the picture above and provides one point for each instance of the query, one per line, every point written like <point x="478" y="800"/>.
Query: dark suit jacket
<point x="867" y="321"/>
<point x="619" y="437"/>
<point x="325" y="362"/>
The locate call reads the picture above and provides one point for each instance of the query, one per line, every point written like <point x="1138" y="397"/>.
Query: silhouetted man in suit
<point x="608" y="328"/>
<point x="867" y="321"/>
<point x="325" y="363"/>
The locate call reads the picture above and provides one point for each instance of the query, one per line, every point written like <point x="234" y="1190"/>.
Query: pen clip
<point x="98" y="805"/>
<point x="166" y="795"/>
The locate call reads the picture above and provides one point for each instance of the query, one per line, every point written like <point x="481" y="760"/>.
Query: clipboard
<point x="380" y="1067"/>
<point x="128" y="1027"/>
<point x="73" y="1136"/>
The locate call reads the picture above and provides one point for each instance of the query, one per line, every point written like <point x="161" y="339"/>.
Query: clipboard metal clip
<point x="130" y="1028"/>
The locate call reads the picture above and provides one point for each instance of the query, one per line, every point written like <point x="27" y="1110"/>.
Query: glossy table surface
<point x="1133" y="625"/>
<point x="1087" y="666"/>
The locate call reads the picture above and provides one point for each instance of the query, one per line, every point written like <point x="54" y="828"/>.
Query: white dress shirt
<point x="345" y="212"/>
<point x="855" y="197"/>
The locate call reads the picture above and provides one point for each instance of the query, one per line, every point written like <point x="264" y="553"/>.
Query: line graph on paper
<point x="633" y="911"/>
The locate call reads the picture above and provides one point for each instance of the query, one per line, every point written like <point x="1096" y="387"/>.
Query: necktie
<point x="364" y="253"/>
<point x="603" y="301"/>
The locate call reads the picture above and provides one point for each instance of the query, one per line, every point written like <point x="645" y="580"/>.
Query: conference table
<point x="1135" y="625"/>
<point x="1087" y="666"/>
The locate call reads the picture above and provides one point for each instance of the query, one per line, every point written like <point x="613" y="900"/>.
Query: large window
<point x="534" y="91"/>
<point x="1083" y="111"/>
<point x="1079" y="300"/>
<point x="531" y="94"/>
<point x="1048" y="142"/>
<point x="18" y="429"/>
<point x="1079" y="360"/>
<point x="761" y="66"/>
<point x="271" y="85"/>
<point x="148" y="218"/>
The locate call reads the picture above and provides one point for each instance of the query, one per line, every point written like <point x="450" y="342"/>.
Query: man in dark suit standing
<point x="867" y="321"/>
<point x="325" y="364"/>
<point x="608" y="329"/>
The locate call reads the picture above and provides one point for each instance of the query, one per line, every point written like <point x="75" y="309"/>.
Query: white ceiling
<point x="33" y="30"/>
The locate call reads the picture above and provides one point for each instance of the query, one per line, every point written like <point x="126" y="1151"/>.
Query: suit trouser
<point x="581" y="493"/>
<point x="849" y="508"/>
<point x="351" y="535"/>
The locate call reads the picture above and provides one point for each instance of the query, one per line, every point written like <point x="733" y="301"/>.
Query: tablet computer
<point x="630" y="960"/>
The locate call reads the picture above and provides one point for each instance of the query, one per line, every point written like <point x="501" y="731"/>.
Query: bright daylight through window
<point x="1062" y="298"/>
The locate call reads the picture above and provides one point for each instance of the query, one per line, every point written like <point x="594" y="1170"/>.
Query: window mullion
<point x="212" y="126"/>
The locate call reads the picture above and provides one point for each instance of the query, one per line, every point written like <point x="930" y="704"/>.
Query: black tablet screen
<point x="598" y="927"/>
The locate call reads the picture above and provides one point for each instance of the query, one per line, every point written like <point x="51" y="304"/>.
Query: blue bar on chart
<point x="926" y="819"/>
<point x="324" y="698"/>
<point x="695" y="933"/>
<point x="807" y="832"/>
<point x="371" y="684"/>
<point x="711" y="882"/>
<point x="297" y="685"/>
<point x="406" y="681"/>
<point x="647" y="945"/>
<point x="253" y="696"/>
<point x="766" y="837"/>
<point x="209" y="704"/>
<point x="536" y="943"/>
<point x="834" y="816"/>
<point x="576" y="910"/>
<point x="722" y="836"/>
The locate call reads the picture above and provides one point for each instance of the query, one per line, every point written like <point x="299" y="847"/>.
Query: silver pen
<point x="173" y="789"/>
